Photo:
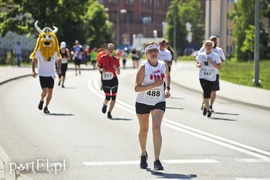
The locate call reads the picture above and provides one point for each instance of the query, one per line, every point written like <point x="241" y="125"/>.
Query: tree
<point x="185" y="12"/>
<point x="181" y="32"/>
<point x="243" y="15"/>
<point x="98" y="27"/>
<point x="195" y="18"/>
<point x="69" y="16"/>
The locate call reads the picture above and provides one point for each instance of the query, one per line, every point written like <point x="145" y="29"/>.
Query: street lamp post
<point x="124" y="11"/>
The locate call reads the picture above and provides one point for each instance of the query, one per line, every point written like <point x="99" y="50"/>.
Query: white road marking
<point x="190" y="161"/>
<point x="176" y="161"/>
<point x="258" y="153"/>
<point x="253" y="160"/>
<point x="252" y="178"/>
<point x="111" y="163"/>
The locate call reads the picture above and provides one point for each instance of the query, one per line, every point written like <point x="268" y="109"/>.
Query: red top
<point x="100" y="54"/>
<point x="107" y="62"/>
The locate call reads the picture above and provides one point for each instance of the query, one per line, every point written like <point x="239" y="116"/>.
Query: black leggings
<point x="110" y="88"/>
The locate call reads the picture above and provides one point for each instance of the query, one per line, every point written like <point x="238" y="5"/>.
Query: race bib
<point x="153" y="94"/>
<point x="64" y="60"/>
<point x="207" y="74"/>
<point x="107" y="75"/>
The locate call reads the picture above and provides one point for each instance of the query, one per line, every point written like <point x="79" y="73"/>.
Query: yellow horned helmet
<point x="47" y="42"/>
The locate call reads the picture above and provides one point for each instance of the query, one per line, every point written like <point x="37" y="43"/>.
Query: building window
<point x="146" y="20"/>
<point x="130" y="2"/>
<point x="229" y="32"/>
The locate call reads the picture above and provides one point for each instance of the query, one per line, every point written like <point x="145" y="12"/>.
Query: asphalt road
<point x="76" y="141"/>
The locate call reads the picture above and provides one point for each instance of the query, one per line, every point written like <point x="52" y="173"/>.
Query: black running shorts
<point x="46" y="82"/>
<point x="145" y="109"/>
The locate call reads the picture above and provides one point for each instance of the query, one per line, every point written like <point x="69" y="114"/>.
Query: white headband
<point x="151" y="46"/>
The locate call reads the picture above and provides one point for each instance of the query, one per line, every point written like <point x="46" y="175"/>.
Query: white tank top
<point x="155" y="95"/>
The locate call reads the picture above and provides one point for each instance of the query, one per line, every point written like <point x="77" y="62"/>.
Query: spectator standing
<point x="18" y="51"/>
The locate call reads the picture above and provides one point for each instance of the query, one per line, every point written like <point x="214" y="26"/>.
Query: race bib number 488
<point x="153" y="94"/>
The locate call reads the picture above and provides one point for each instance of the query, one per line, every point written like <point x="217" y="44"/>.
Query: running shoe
<point x="40" y="105"/>
<point x="46" y="111"/>
<point x="63" y="86"/>
<point x="209" y="114"/>
<point x="104" y="108"/>
<point x="158" y="165"/>
<point x="202" y="106"/>
<point x="144" y="158"/>
<point x="59" y="83"/>
<point x="211" y="109"/>
<point x="204" y="111"/>
<point x="109" y="115"/>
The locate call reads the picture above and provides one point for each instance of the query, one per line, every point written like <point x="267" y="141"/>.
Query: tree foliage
<point x="192" y="12"/>
<point x="244" y="18"/>
<point x="70" y="16"/>
<point x="183" y="12"/>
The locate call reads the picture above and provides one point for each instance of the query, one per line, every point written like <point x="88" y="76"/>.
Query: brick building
<point x="136" y="18"/>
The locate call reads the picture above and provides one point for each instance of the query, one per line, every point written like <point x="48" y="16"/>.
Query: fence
<point x="7" y="57"/>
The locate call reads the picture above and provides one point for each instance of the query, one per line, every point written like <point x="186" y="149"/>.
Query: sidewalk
<point x="183" y="74"/>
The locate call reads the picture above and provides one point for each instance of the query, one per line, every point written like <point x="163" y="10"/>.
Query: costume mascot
<point x="47" y="42"/>
<point x="46" y="56"/>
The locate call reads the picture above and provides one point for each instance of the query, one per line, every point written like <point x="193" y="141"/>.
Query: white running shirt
<point x="217" y="50"/>
<point x="207" y="70"/>
<point x="155" y="95"/>
<point x="46" y="68"/>
<point x="165" y="55"/>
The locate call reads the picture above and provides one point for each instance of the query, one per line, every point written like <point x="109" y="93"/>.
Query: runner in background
<point x="109" y="67"/>
<point x="64" y="63"/>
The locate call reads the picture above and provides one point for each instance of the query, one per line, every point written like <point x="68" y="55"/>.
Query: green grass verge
<point x="243" y="73"/>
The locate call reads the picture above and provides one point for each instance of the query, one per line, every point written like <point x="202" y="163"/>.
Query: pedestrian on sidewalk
<point x="222" y="57"/>
<point x="18" y="51"/>
<point x="151" y="98"/>
<point x="64" y="63"/>
<point x="46" y="54"/>
<point x="109" y="66"/>
<point x="207" y="61"/>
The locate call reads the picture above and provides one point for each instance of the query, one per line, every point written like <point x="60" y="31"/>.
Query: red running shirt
<point x="107" y="62"/>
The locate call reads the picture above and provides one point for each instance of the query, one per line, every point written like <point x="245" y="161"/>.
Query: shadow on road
<point x="171" y="175"/>
<point x="223" y="119"/>
<point x="60" y="114"/>
<point x="223" y="113"/>
<point x="121" y="119"/>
